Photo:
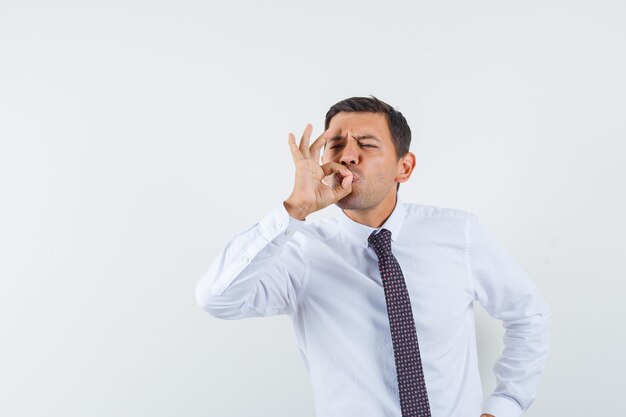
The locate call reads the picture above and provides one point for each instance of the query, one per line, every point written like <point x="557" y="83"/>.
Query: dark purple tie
<point x="411" y="383"/>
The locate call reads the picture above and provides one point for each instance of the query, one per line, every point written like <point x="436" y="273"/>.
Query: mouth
<point x="355" y="178"/>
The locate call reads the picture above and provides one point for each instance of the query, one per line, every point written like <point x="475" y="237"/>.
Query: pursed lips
<point x="355" y="177"/>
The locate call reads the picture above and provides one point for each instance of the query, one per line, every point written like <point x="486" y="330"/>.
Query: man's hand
<point x="487" y="415"/>
<point x="309" y="193"/>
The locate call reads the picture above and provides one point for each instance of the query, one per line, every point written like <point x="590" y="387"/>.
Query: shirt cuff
<point x="278" y="226"/>
<point x="500" y="406"/>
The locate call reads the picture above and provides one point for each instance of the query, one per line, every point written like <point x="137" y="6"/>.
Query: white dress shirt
<point x="323" y="275"/>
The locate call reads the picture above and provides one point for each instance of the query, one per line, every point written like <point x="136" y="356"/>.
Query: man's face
<point x="362" y="142"/>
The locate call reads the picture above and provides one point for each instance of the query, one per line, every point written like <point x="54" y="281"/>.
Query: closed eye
<point x="338" y="146"/>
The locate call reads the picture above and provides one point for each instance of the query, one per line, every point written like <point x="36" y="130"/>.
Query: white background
<point x="136" y="137"/>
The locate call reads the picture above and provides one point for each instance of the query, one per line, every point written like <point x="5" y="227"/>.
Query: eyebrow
<point x="359" y="137"/>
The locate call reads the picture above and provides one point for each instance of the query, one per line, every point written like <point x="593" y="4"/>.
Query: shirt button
<point x="245" y="258"/>
<point x="279" y="225"/>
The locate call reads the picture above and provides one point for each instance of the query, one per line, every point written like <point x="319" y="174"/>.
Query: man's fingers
<point x="341" y="184"/>
<point x="316" y="147"/>
<point x="304" y="142"/>
<point x="331" y="167"/>
<point x="343" y="188"/>
<point x="295" y="151"/>
<point x="338" y="178"/>
<point x="346" y="183"/>
<point x="313" y="151"/>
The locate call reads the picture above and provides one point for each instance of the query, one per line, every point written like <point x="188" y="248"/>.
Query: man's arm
<point x="505" y="291"/>
<point x="259" y="272"/>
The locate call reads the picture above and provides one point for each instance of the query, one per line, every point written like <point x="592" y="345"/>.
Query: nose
<point x="349" y="154"/>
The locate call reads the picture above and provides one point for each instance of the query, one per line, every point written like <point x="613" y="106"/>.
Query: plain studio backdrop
<point x="137" y="137"/>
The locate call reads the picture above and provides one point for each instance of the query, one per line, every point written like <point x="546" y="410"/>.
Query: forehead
<point x="359" y="123"/>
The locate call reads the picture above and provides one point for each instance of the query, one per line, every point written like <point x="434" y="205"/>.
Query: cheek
<point x="384" y="172"/>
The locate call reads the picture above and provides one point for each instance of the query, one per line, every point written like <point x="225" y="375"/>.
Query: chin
<point x="352" y="202"/>
<point x="359" y="199"/>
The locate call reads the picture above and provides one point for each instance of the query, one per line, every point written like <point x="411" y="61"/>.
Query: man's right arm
<point x="259" y="272"/>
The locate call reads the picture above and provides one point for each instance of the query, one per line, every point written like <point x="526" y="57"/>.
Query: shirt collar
<point x="362" y="232"/>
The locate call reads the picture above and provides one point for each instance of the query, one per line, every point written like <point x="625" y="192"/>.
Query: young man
<point x="381" y="298"/>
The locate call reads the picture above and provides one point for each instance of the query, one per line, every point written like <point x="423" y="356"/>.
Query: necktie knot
<point x="381" y="242"/>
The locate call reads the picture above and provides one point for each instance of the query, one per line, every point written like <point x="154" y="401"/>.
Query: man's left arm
<point x="505" y="291"/>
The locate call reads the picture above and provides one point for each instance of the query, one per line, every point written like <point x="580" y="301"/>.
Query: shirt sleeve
<point x="259" y="272"/>
<point x="505" y="291"/>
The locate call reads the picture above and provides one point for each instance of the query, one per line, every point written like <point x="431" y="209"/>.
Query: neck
<point x="377" y="215"/>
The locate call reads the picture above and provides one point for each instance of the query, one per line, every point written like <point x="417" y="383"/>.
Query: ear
<point x="406" y="165"/>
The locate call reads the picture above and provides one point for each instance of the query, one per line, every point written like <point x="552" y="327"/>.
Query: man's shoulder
<point x="325" y="226"/>
<point x="428" y="210"/>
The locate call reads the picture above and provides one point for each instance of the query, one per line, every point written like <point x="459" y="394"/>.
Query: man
<point x="381" y="298"/>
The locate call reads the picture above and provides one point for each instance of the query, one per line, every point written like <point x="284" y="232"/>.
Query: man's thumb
<point x="346" y="186"/>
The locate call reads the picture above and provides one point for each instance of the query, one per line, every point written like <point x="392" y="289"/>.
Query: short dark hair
<point x="397" y="124"/>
